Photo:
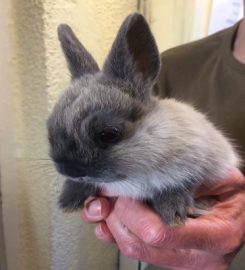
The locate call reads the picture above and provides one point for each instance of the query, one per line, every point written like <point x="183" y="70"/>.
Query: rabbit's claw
<point x="74" y="194"/>
<point x="173" y="206"/>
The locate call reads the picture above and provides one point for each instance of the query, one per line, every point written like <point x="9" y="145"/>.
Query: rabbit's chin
<point x="133" y="188"/>
<point x="141" y="187"/>
<point x="125" y="189"/>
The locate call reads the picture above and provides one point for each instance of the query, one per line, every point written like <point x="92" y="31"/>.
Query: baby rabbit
<point x="107" y="131"/>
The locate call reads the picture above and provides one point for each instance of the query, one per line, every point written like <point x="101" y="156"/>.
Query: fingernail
<point x="94" y="208"/>
<point x="89" y="199"/>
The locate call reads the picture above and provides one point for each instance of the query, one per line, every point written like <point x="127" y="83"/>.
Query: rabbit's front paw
<point x="173" y="205"/>
<point x="74" y="194"/>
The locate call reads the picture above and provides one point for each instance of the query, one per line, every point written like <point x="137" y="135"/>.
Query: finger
<point x="96" y="210"/>
<point x="221" y="231"/>
<point x="140" y="220"/>
<point x="103" y="233"/>
<point x="134" y="248"/>
<point x="182" y="259"/>
<point x="234" y="182"/>
<point x="128" y="243"/>
<point x="204" y="233"/>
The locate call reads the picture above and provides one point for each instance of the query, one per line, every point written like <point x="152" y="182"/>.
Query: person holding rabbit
<point x="209" y="74"/>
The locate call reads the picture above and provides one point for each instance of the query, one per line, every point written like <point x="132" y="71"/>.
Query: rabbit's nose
<point x="70" y="169"/>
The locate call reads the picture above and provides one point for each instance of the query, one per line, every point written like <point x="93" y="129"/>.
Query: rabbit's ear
<point x="134" y="56"/>
<point x="79" y="60"/>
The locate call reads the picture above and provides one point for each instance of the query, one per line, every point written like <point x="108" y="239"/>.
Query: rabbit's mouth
<point x="72" y="170"/>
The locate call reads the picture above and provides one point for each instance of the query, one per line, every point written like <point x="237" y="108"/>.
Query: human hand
<point x="207" y="242"/>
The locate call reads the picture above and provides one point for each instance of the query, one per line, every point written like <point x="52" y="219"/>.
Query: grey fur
<point x="134" y="56"/>
<point x="165" y="149"/>
<point x="78" y="58"/>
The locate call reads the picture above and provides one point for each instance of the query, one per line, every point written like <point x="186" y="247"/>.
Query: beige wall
<point x="8" y="177"/>
<point x="174" y="22"/>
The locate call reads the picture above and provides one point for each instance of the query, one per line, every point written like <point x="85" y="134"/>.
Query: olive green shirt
<point x="205" y="74"/>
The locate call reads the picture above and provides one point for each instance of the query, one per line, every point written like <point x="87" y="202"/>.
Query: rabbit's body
<point x="180" y="147"/>
<point x="107" y="131"/>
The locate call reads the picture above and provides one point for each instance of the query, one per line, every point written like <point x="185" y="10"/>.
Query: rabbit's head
<point x="93" y="123"/>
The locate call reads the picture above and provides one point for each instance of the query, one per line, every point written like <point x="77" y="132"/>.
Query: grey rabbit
<point x="108" y="131"/>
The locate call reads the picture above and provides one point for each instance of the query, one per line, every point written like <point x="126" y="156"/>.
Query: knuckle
<point x="131" y="250"/>
<point x="128" y="251"/>
<point x="121" y="207"/>
<point x="154" y="236"/>
<point x="235" y="240"/>
<point x="232" y="244"/>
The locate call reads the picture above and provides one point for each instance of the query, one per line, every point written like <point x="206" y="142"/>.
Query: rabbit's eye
<point x="110" y="135"/>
